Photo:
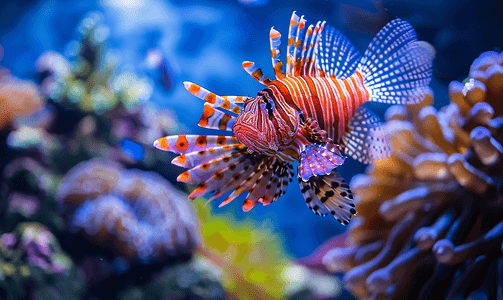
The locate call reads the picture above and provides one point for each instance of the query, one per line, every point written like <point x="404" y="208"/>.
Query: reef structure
<point x="17" y="98"/>
<point x="135" y="214"/>
<point x="430" y="222"/>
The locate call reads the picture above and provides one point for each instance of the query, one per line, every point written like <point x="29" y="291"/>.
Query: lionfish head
<point x="266" y="125"/>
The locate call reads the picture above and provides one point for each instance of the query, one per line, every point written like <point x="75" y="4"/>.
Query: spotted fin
<point x="313" y="50"/>
<point x="215" y="119"/>
<point x="271" y="184"/>
<point x="298" y="58"/>
<point x="275" y="41"/>
<point x="396" y="63"/>
<point x="192" y="159"/>
<point x="219" y="164"/>
<point x="225" y="178"/>
<point x="312" y="53"/>
<point x="227" y="102"/>
<point x="256" y="72"/>
<point x="182" y="144"/>
<point x="365" y="138"/>
<point x="318" y="160"/>
<point x="338" y="58"/>
<point x="329" y="194"/>
<point x="263" y="177"/>
<point x="290" y="49"/>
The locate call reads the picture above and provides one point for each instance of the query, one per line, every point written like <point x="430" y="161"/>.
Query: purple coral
<point x="429" y="223"/>
<point x="133" y="213"/>
<point x="34" y="243"/>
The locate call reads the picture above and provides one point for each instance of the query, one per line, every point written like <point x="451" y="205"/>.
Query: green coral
<point x="32" y="265"/>
<point x="251" y="256"/>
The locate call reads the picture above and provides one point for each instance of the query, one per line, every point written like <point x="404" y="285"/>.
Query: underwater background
<point x="89" y="210"/>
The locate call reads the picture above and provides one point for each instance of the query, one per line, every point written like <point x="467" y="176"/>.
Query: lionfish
<point x="309" y="115"/>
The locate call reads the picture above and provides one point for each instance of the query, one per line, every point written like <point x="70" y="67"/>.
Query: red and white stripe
<point x="332" y="102"/>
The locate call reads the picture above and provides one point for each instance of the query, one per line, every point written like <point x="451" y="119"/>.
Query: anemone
<point x="429" y="223"/>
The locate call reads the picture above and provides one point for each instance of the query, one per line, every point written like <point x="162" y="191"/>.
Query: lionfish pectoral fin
<point x="318" y="159"/>
<point x="395" y="64"/>
<point x="219" y="164"/>
<point x="366" y="138"/>
<point x="312" y="131"/>
<point x="329" y="194"/>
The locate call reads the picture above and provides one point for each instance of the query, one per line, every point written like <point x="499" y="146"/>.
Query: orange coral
<point x="429" y="216"/>
<point x="17" y="98"/>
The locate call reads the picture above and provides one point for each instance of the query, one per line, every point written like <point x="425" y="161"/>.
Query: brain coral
<point x="430" y="216"/>
<point x="133" y="213"/>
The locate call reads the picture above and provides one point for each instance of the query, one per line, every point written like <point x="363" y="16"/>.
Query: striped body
<point x="330" y="101"/>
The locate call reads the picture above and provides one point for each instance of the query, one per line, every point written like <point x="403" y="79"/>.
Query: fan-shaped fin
<point x="224" y="180"/>
<point x="395" y="63"/>
<point x="338" y="57"/>
<point x="220" y="164"/>
<point x="318" y="160"/>
<point x="329" y="193"/>
<point x="199" y="174"/>
<point x="365" y="138"/>
<point x="312" y="201"/>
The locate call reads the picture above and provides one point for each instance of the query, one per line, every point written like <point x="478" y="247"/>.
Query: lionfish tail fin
<point x="396" y="63"/>
<point x="366" y="138"/>
<point x="329" y="194"/>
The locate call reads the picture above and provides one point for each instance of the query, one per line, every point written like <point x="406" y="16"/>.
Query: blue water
<point x="205" y="42"/>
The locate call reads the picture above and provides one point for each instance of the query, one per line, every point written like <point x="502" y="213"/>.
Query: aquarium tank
<point x="386" y="120"/>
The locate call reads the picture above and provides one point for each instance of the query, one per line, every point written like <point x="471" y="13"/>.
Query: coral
<point x="96" y="107"/>
<point x="253" y="263"/>
<point x="90" y="81"/>
<point x="306" y="283"/>
<point x="17" y="98"/>
<point x="33" y="265"/>
<point x="429" y="223"/>
<point x="27" y="194"/>
<point x="132" y="213"/>
<point x="197" y="279"/>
